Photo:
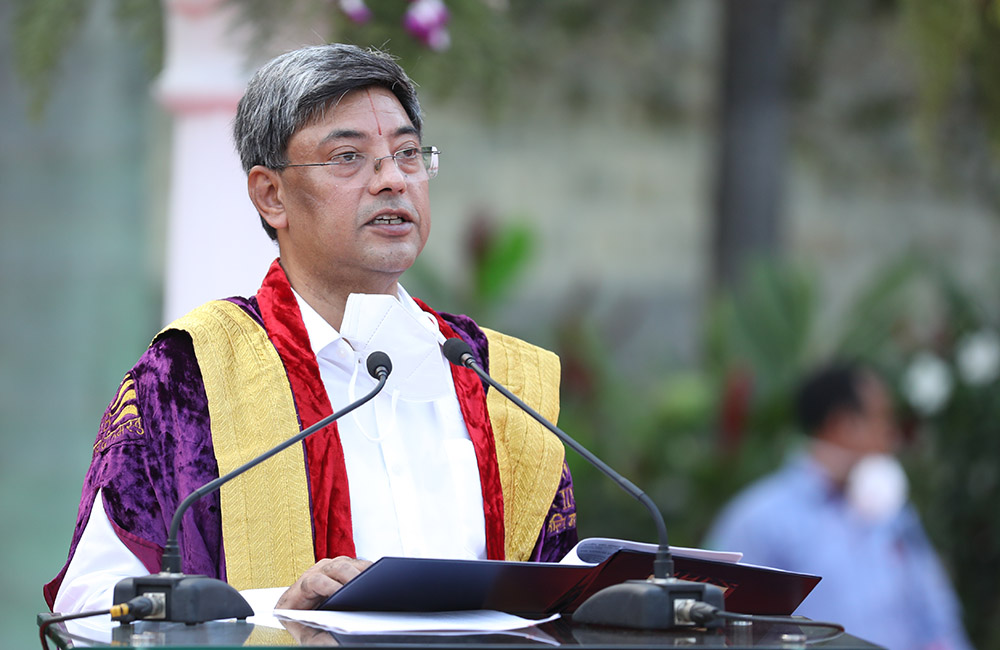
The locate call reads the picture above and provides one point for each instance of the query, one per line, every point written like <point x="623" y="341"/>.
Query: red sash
<point x="333" y="533"/>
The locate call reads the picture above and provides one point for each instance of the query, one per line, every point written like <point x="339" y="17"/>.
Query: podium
<point x="558" y="633"/>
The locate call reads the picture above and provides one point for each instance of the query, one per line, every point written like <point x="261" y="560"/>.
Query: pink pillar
<point x="215" y="244"/>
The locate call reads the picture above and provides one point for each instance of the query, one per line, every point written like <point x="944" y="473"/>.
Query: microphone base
<point x="187" y="599"/>
<point x="654" y="604"/>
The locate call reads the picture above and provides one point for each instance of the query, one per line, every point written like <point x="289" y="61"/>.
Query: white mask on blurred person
<point x="877" y="487"/>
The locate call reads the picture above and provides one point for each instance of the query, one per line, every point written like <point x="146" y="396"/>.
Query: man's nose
<point x="387" y="175"/>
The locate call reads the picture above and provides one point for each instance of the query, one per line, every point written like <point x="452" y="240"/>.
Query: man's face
<point x="359" y="234"/>
<point x="874" y="429"/>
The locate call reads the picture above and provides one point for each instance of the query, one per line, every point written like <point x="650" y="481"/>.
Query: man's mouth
<point x="388" y="220"/>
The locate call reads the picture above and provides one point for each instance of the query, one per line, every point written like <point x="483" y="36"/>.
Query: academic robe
<point x="155" y="446"/>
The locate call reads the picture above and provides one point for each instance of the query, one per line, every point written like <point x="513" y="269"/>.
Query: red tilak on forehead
<point x="374" y="112"/>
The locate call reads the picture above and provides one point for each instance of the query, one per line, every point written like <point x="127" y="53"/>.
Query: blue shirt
<point x="881" y="580"/>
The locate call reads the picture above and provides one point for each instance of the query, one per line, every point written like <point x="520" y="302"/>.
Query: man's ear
<point x="266" y="192"/>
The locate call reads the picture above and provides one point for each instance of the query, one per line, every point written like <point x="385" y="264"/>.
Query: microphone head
<point x="455" y="350"/>
<point x="379" y="362"/>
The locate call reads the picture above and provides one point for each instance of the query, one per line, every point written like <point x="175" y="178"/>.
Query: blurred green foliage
<point x="43" y="30"/>
<point x="954" y="463"/>
<point x="957" y="46"/>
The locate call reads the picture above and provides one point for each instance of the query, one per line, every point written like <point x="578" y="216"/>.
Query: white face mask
<point x="877" y="487"/>
<point x="378" y="322"/>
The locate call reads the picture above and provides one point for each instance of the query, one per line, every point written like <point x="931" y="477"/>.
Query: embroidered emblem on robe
<point x="121" y="418"/>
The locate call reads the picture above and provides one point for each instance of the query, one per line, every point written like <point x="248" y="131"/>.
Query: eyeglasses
<point x="410" y="161"/>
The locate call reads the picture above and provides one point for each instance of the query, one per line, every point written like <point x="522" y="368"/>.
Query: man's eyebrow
<point x="344" y="134"/>
<point x="352" y="134"/>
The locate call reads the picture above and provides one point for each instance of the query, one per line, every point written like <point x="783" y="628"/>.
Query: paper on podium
<point x="464" y="622"/>
<point x="479" y="621"/>
<point x="262" y="602"/>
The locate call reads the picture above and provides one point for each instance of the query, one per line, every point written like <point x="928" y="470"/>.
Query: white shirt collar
<point x="321" y="333"/>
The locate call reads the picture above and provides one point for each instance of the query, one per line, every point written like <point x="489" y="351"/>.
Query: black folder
<point x="539" y="588"/>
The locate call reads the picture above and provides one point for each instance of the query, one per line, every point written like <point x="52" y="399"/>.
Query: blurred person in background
<point x="838" y="509"/>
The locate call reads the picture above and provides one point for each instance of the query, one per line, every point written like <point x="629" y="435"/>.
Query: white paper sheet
<point x="474" y="621"/>
<point x="478" y="621"/>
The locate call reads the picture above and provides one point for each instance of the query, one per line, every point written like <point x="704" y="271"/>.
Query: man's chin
<point x="396" y="258"/>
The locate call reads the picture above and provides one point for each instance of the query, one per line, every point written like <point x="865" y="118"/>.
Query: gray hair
<point x="296" y="88"/>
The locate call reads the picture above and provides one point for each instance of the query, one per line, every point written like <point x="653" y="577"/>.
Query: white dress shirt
<point x="411" y="467"/>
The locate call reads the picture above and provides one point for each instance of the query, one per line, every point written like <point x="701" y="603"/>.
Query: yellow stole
<point x="529" y="457"/>
<point x="266" y="522"/>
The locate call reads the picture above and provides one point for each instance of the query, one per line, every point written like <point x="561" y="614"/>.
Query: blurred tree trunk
<point x="752" y="136"/>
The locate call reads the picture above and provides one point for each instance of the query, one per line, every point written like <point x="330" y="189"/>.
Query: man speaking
<point x="331" y="140"/>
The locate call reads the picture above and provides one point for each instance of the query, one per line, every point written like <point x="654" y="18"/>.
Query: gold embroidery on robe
<point x="121" y="417"/>
<point x="530" y="457"/>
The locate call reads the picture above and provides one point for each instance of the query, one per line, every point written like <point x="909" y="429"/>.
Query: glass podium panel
<point x="561" y="632"/>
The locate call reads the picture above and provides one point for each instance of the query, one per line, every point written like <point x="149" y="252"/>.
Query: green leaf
<point x="42" y="29"/>
<point x="505" y="257"/>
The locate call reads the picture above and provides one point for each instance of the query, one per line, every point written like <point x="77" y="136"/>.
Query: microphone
<point x="658" y="603"/>
<point x="197" y="598"/>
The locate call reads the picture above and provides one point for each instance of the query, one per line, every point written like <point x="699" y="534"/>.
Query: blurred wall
<point x="80" y="258"/>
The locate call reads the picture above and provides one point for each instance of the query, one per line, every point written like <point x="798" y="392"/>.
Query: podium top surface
<point x="562" y="632"/>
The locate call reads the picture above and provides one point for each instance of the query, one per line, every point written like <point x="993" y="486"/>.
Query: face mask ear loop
<point x="467" y="534"/>
<point x="351" y="392"/>
<point x="392" y="409"/>
<point x="439" y="411"/>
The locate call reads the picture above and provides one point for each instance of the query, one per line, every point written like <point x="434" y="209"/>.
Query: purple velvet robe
<point x="154" y="447"/>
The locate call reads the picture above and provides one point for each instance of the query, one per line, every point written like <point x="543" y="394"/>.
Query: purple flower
<point x="426" y="20"/>
<point x="356" y="10"/>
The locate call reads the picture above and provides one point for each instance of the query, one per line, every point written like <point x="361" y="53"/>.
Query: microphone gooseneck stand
<point x="658" y="603"/>
<point x="172" y="596"/>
